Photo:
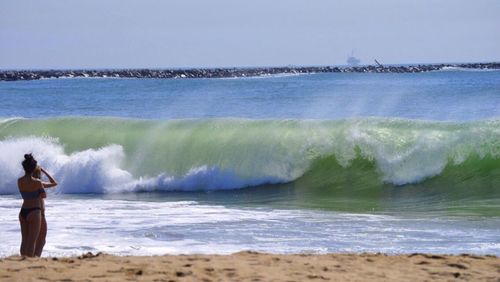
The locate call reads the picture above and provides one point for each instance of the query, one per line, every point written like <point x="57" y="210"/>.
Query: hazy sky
<point x="190" y="33"/>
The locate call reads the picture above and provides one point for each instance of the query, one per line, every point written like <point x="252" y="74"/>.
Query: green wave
<point x="353" y="164"/>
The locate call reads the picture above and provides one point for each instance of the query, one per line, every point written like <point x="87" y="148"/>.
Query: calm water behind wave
<point x="444" y="95"/>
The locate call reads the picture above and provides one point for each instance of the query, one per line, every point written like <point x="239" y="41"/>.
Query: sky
<point x="236" y="33"/>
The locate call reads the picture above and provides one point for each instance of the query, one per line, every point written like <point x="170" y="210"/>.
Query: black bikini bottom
<point x="26" y="211"/>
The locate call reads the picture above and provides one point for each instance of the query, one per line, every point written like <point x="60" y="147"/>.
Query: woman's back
<point x="30" y="189"/>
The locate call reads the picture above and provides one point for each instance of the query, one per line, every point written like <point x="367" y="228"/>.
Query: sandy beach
<point x="252" y="266"/>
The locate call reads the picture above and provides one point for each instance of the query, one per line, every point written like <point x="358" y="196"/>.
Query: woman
<point x="33" y="228"/>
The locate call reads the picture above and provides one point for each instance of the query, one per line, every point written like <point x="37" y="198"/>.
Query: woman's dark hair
<point x="29" y="163"/>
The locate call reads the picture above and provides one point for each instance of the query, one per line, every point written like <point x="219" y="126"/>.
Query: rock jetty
<point x="12" y="75"/>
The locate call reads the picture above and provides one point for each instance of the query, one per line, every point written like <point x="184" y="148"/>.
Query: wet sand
<point x="252" y="266"/>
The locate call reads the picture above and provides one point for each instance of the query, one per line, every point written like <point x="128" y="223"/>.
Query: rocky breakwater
<point x="12" y="75"/>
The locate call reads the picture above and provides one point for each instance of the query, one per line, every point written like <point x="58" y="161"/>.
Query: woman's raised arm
<point x="52" y="182"/>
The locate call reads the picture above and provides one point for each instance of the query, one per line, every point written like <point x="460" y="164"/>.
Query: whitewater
<point x="307" y="163"/>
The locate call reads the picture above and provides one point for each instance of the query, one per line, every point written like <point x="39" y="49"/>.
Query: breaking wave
<point x="110" y="155"/>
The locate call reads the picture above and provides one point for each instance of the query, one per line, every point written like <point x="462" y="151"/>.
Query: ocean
<point x="311" y="163"/>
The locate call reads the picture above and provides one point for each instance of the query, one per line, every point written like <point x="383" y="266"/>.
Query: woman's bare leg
<point x="40" y="241"/>
<point x="34" y="222"/>
<point x="24" y="235"/>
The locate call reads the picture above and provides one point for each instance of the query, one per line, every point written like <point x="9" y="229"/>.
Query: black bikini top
<point x="32" y="195"/>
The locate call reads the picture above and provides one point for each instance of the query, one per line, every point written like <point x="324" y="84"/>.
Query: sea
<point x="310" y="163"/>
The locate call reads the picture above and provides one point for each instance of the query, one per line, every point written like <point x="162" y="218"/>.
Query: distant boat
<point x="352" y="61"/>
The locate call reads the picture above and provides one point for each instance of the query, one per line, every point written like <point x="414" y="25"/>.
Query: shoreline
<point x="14" y="75"/>
<point x="253" y="266"/>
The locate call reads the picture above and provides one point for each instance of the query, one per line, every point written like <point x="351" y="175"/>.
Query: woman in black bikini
<point x="30" y="216"/>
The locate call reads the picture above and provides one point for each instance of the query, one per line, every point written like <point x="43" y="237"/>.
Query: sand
<point x="252" y="266"/>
